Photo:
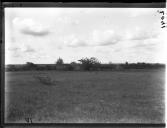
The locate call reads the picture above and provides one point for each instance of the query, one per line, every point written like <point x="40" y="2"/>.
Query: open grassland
<point x="85" y="97"/>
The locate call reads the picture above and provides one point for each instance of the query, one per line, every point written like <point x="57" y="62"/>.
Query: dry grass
<point x="78" y="97"/>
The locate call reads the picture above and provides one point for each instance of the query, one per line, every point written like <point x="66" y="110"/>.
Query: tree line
<point x="84" y="64"/>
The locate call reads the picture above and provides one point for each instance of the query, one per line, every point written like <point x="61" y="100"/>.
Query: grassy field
<point x="85" y="97"/>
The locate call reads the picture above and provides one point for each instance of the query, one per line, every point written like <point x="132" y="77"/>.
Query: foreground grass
<point x="91" y="97"/>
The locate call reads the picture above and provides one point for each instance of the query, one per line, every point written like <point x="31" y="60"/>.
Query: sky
<point x="117" y="35"/>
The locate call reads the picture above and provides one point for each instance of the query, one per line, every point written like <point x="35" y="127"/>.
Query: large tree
<point x="59" y="61"/>
<point x="90" y="63"/>
<point x="30" y="65"/>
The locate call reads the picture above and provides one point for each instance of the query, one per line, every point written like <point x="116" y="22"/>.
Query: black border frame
<point x="64" y="5"/>
<point x="87" y="4"/>
<point x="2" y="65"/>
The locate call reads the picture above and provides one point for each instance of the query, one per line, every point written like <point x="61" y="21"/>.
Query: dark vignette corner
<point x="2" y="65"/>
<point x="104" y="4"/>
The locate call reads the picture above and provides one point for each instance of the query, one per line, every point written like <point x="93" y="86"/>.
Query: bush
<point x="59" y="61"/>
<point x="90" y="63"/>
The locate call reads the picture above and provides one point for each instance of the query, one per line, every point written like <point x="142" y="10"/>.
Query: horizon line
<point x="100" y="63"/>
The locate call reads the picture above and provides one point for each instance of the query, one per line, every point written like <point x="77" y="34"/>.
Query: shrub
<point x="90" y="63"/>
<point x="59" y="61"/>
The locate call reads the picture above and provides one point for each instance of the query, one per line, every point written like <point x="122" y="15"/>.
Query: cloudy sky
<point x="42" y="35"/>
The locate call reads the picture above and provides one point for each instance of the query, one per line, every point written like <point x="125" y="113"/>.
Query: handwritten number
<point x="161" y="12"/>
<point x="162" y="18"/>
<point x="162" y="22"/>
<point x="163" y="26"/>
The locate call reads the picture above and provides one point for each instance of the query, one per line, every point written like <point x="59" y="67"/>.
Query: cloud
<point x="134" y="12"/>
<point x="148" y="44"/>
<point x="73" y="41"/>
<point x="110" y="37"/>
<point x="21" y="49"/>
<point x="34" y="33"/>
<point x="97" y="38"/>
<point x="107" y="37"/>
<point x="144" y="46"/>
<point x="102" y="50"/>
<point x="13" y="49"/>
<point x="21" y="52"/>
<point x="140" y="34"/>
<point x="67" y="20"/>
<point x="30" y="27"/>
<point x="28" y="49"/>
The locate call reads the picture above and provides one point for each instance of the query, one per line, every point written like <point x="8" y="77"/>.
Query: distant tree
<point x="59" y="61"/>
<point x="73" y="63"/>
<point x="90" y="63"/>
<point x="30" y="65"/>
<point x="11" y="68"/>
<point x="95" y="63"/>
<point x="126" y="63"/>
